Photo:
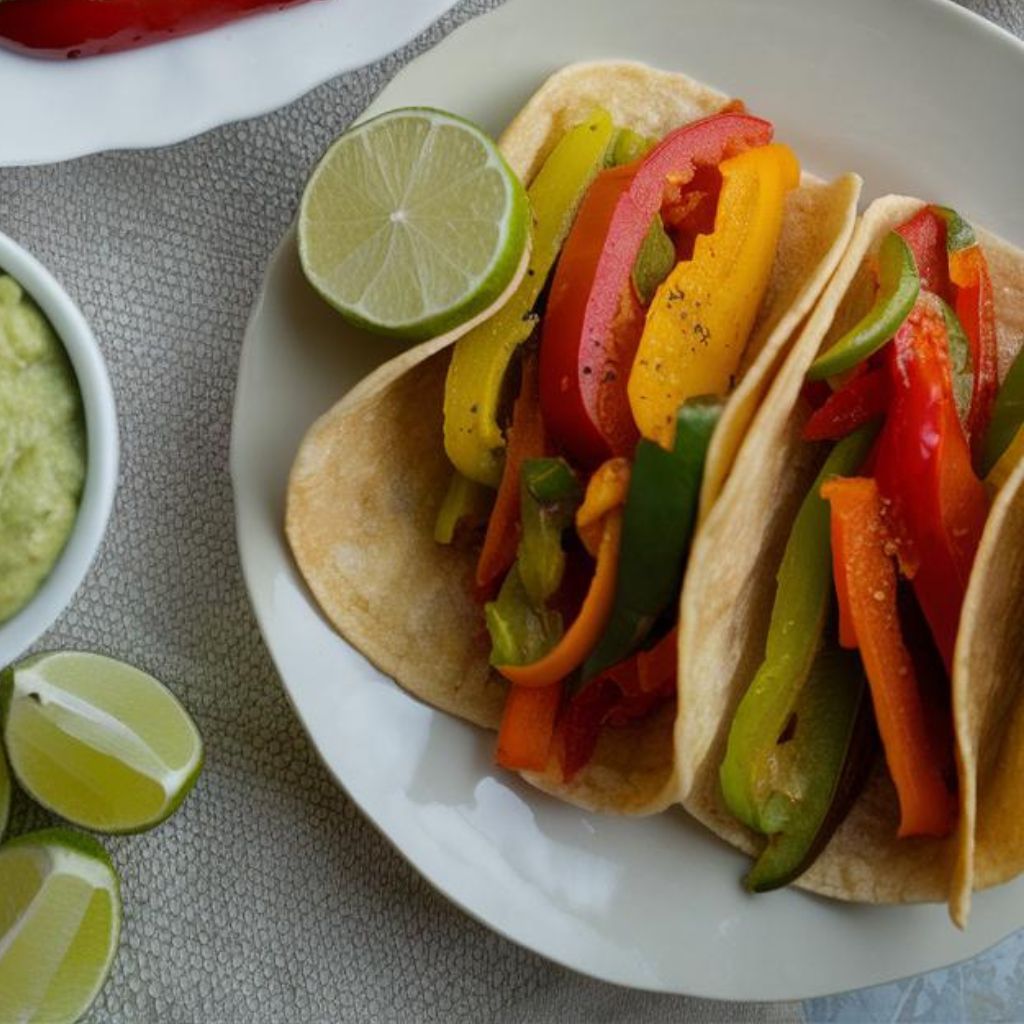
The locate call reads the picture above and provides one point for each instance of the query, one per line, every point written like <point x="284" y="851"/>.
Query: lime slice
<point x="412" y="223"/>
<point x="5" y="793"/>
<point x="98" y="742"/>
<point x="60" y="919"/>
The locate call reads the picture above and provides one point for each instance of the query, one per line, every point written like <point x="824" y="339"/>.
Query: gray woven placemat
<point x="268" y="898"/>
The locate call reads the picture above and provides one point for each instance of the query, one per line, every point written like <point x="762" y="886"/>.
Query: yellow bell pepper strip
<point x="698" y="323"/>
<point x="569" y="653"/>
<point x="606" y="491"/>
<point x="473" y="438"/>
<point x="465" y="503"/>
<point x="629" y="146"/>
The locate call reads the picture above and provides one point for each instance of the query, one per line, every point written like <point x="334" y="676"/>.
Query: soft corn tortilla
<point x="731" y="589"/>
<point x="371" y="473"/>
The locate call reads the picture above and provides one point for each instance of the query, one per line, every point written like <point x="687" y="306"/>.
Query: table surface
<point x="269" y="897"/>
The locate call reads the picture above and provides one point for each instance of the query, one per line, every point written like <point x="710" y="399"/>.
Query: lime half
<point x="60" y="919"/>
<point x="100" y="743"/>
<point x="412" y="223"/>
<point x="5" y="793"/>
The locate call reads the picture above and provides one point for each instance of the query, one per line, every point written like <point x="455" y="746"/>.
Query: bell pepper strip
<point x="961" y="371"/>
<point x="975" y="309"/>
<point x="898" y="288"/>
<point x="628" y="147"/>
<point x="526" y="440"/>
<point x="1006" y="464"/>
<point x="818" y="769"/>
<point x="701" y="315"/>
<point x="66" y="29"/>
<point x="1007" y="417"/>
<point x="925" y="234"/>
<point x="654" y="262"/>
<point x="527" y="727"/>
<point x="606" y="491"/>
<point x="658" y="665"/>
<point x="859" y="400"/>
<point x="923" y="469"/>
<point x="584" y="360"/>
<point x="862" y="544"/>
<point x="521" y="630"/>
<point x="473" y="437"/>
<point x="550" y="496"/>
<point x="579" y="639"/>
<point x="580" y="724"/>
<point x="803" y="597"/>
<point x="661" y="508"/>
<point x="466" y="503"/>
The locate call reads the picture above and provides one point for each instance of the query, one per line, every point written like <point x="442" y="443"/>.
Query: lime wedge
<point x="412" y="223"/>
<point x="60" y="919"/>
<point x="5" y="793"/>
<point x="100" y="743"/>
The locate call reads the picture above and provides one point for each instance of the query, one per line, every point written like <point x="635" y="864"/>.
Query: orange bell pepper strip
<point x="527" y="727"/>
<point x="581" y="637"/>
<point x="526" y="440"/>
<point x="865" y="577"/>
<point x="606" y="491"/>
<point x="700" y="317"/>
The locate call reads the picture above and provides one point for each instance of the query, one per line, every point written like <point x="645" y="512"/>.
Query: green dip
<point x="42" y="447"/>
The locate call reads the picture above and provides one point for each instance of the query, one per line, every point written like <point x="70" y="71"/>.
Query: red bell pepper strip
<point x="861" y="399"/>
<point x="924" y="470"/>
<point x="592" y="326"/>
<point x="925" y="233"/>
<point x="526" y="440"/>
<point x="83" y="28"/>
<point x="527" y="727"/>
<point x="865" y="578"/>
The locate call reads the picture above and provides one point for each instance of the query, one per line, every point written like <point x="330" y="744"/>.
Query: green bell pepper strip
<point x="959" y="234"/>
<point x="654" y="262"/>
<point x="959" y="363"/>
<point x="1007" y="416"/>
<point x="464" y="501"/>
<point x="802" y="601"/>
<point x="818" y="770"/>
<point x="898" y="288"/>
<point x="550" y="496"/>
<point x="657" y="526"/>
<point x="473" y="437"/>
<point x="521" y="626"/>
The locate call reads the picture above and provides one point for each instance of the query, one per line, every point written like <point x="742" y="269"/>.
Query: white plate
<point x="162" y="94"/>
<point x="654" y="903"/>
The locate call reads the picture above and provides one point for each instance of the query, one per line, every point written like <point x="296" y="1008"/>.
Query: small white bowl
<point x="17" y="634"/>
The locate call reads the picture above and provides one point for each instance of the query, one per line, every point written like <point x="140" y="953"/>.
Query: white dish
<point x="655" y="903"/>
<point x="162" y="94"/>
<point x="20" y="632"/>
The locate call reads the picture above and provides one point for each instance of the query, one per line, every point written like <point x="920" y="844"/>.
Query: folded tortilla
<point x="727" y="602"/>
<point x="371" y="473"/>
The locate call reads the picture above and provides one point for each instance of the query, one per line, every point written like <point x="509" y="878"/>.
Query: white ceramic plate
<point x="162" y="94"/>
<point x="656" y="903"/>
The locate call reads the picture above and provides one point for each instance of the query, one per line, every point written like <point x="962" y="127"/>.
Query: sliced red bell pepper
<point x="84" y="28"/>
<point x="593" y="323"/>
<point x="527" y="727"/>
<point x="865" y="577"/>
<point x="526" y="440"/>
<point x="861" y="399"/>
<point x="924" y="470"/>
<point x="925" y="233"/>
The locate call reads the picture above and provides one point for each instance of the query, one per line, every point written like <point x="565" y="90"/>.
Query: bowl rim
<point x="18" y="633"/>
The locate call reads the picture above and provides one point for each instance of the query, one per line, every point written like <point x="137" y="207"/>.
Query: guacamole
<point x="42" y="447"/>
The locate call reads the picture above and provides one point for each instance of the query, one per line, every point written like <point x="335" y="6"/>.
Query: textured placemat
<point x="269" y="898"/>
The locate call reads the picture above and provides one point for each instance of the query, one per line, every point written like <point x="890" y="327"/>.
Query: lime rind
<point x="397" y="225"/>
<point x="47" y="727"/>
<point x="62" y="854"/>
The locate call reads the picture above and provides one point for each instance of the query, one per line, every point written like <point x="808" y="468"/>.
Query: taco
<point x="499" y="518"/>
<point x="850" y="676"/>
